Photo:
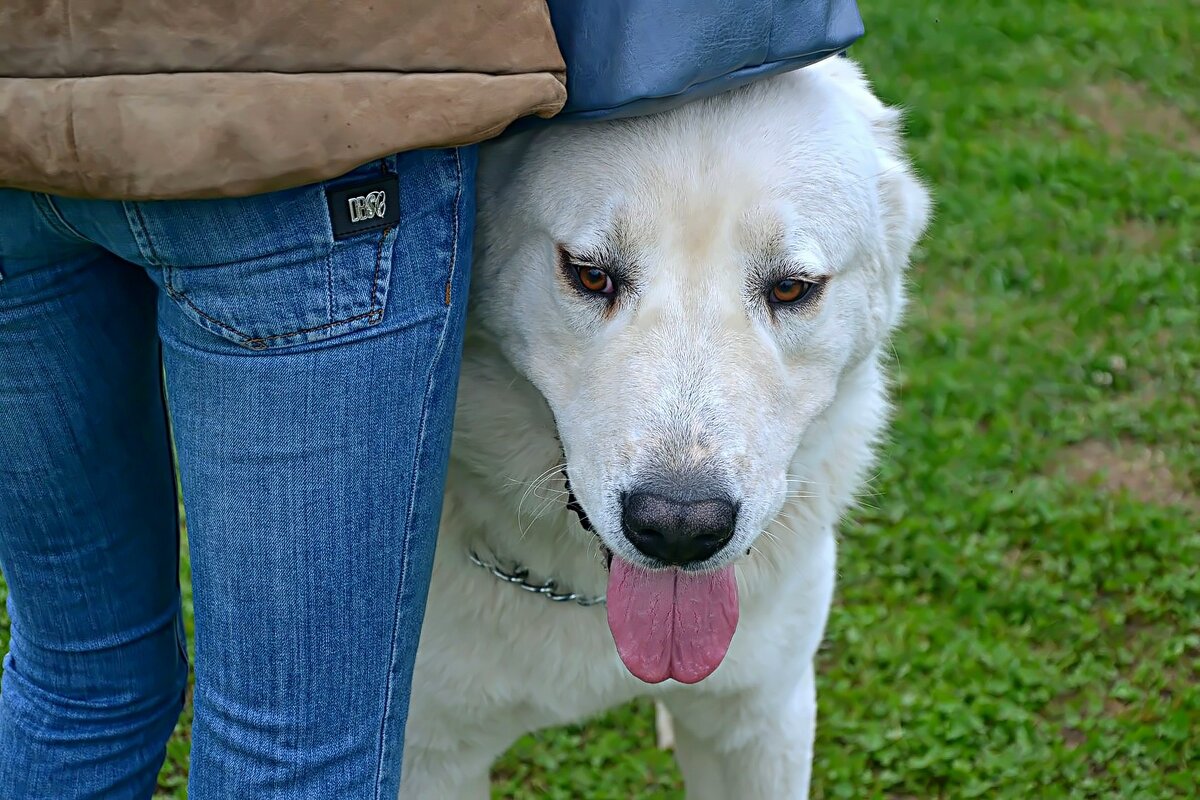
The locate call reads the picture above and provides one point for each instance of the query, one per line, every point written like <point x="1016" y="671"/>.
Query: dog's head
<point x="688" y="291"/>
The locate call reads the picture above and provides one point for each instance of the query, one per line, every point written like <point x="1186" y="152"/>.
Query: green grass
<point x="1019" y="607"/>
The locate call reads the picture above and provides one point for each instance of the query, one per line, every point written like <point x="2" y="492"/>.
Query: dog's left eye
<point x="594" y="279"/>
<point x="790" y="290"/>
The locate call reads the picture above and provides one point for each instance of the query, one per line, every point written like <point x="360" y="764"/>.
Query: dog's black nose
<point x="676" y="531"/>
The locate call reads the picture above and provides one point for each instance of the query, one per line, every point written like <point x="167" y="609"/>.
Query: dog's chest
<point x="509" y="661"/>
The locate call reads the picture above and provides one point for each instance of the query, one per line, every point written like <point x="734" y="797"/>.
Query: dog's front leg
<point x="750" y="745"/>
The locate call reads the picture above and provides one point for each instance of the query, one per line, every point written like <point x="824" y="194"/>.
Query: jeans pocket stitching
<point x="329" y="302"/>
<point x="183" y="298"/>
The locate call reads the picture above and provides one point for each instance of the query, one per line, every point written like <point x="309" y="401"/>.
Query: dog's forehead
<point x="756" y="177"/>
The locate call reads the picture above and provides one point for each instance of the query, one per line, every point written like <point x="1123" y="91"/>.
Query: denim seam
<point x="54" y="218"/>
<point x="329" y="285"/>
<point x="146" y="246"/>
<point x="378" y="264"/>
<point x="409" y="512"/>
<point x="141" y="235"/>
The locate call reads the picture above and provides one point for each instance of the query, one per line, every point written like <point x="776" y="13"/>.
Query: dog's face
<point x="687" y="292"/>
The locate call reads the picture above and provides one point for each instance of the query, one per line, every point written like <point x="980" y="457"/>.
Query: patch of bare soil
<point x="1120" y="108"/>
<point x="1141" y="471"/>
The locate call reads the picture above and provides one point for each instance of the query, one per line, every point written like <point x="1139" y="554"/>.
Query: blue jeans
<point x="310" y="380"/>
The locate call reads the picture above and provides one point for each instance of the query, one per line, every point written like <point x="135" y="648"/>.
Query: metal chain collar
<point x="519" y="576"/>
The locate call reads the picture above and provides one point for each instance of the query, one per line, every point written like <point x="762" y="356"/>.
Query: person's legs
<point x="311" y="381"/>
<point x="95" y="677"/>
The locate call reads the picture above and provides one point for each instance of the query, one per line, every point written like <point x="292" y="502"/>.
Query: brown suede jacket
<point x="153" y="99"/>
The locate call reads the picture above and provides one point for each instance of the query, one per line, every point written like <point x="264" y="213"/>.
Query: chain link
<point x="519" y="577"/>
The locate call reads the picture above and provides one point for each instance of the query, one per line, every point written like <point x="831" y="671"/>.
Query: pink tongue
<point x="671" y="624"/>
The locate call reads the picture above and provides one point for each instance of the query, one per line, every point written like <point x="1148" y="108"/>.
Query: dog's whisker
<point x="771" y="534"/>
<point x="528" y="526"/>
<point x="545" y="476"/>
<point x="514" y="481"/>
<point x="547" y="504"/>
<point x="780" y="523"/>
<point x="548" y="472"/>
<point x="792" y="479"/>
<point x="769" y="556"/>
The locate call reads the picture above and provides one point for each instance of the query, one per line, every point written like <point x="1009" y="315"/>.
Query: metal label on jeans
<point x="364" y="206"/>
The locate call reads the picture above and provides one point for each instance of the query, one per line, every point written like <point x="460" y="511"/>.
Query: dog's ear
<point x="906" y="201"/>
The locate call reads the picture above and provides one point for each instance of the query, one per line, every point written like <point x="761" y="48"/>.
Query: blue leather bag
<point x="631" y="57"/>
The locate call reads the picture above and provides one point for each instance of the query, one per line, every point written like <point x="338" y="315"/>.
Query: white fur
<point x="689" y="370"/>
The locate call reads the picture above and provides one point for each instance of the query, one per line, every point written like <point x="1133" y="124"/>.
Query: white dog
<point x="670" y="393"/>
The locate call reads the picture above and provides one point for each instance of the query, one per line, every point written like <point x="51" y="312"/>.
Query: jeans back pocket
<point x="268" y="271"/>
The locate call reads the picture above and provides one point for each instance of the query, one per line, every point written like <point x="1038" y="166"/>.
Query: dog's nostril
<point x="675" y="531"/>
